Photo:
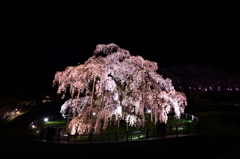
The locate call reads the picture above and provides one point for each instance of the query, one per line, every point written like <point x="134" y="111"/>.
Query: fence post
<point x="117" y="135"/>
<point x="131" y="133"/>
<point x="176" y="131"/>
<point x="158" y="129"/>
<point x="68" y="137"/>
<point x="90" y="137"/>
<point x="59" y="138"/>
<point x="185" y="127"/>
<point x="127" y="136"/>
<point x="153" y="135"/>
<point x="188" y="127"/>
<point x="75" y="136"/>
<point x="147" y="133"/>
<point x="170" y="129"/>
<point x="102" y="135"/>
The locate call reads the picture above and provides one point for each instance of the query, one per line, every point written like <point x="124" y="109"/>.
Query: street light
<point x="45" y="119"/>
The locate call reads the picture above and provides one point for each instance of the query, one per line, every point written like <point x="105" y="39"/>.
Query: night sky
<point x="42" y="37"/>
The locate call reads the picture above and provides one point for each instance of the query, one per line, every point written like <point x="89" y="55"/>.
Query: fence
<point x="219" y="129"/>
<point x="209" y="128"/>
<point x="41" y="131"/>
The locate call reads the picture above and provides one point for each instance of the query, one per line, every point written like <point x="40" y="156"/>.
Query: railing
<point x="40" y="131"/>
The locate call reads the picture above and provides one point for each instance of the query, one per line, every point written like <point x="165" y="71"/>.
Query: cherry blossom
<point x="116" y="86"/>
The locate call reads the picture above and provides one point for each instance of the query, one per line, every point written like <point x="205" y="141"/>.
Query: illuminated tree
<point x="112" y="85"/>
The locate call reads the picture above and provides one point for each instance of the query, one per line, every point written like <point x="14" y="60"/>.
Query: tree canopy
<point x="113" y="85"/>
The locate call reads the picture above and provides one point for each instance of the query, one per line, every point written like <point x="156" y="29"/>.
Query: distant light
<point x="45" y="119"/>
<point x="149" y="111"/>
<point x="237" y="89"/>
<point x="190" y="87"/>
<point x="47" y="96"/>
<point x="94" y="113"/>
<point x="33" y="126"/>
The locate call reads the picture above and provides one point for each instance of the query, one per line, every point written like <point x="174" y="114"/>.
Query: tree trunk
<point x="75" y="109"/>
<point x="143" y="116"/>
<point x="68" y="116"/>
<point x="90" y="111"/>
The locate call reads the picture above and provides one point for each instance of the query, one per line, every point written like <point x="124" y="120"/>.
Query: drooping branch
<point x="117" y="86"/>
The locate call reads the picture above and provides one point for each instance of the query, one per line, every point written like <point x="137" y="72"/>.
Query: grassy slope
<point x="14" y="143"/>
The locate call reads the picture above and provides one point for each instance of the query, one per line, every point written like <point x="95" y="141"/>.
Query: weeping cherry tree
<point x="113" y="85"/>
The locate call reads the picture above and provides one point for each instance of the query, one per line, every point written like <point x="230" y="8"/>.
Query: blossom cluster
<point x="114" y="85"/>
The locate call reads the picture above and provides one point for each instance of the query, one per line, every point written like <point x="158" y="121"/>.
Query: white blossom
<point x="116" y="85"/>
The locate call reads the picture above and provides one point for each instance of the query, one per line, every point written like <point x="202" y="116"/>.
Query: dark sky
<point x="57" y="34"/>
